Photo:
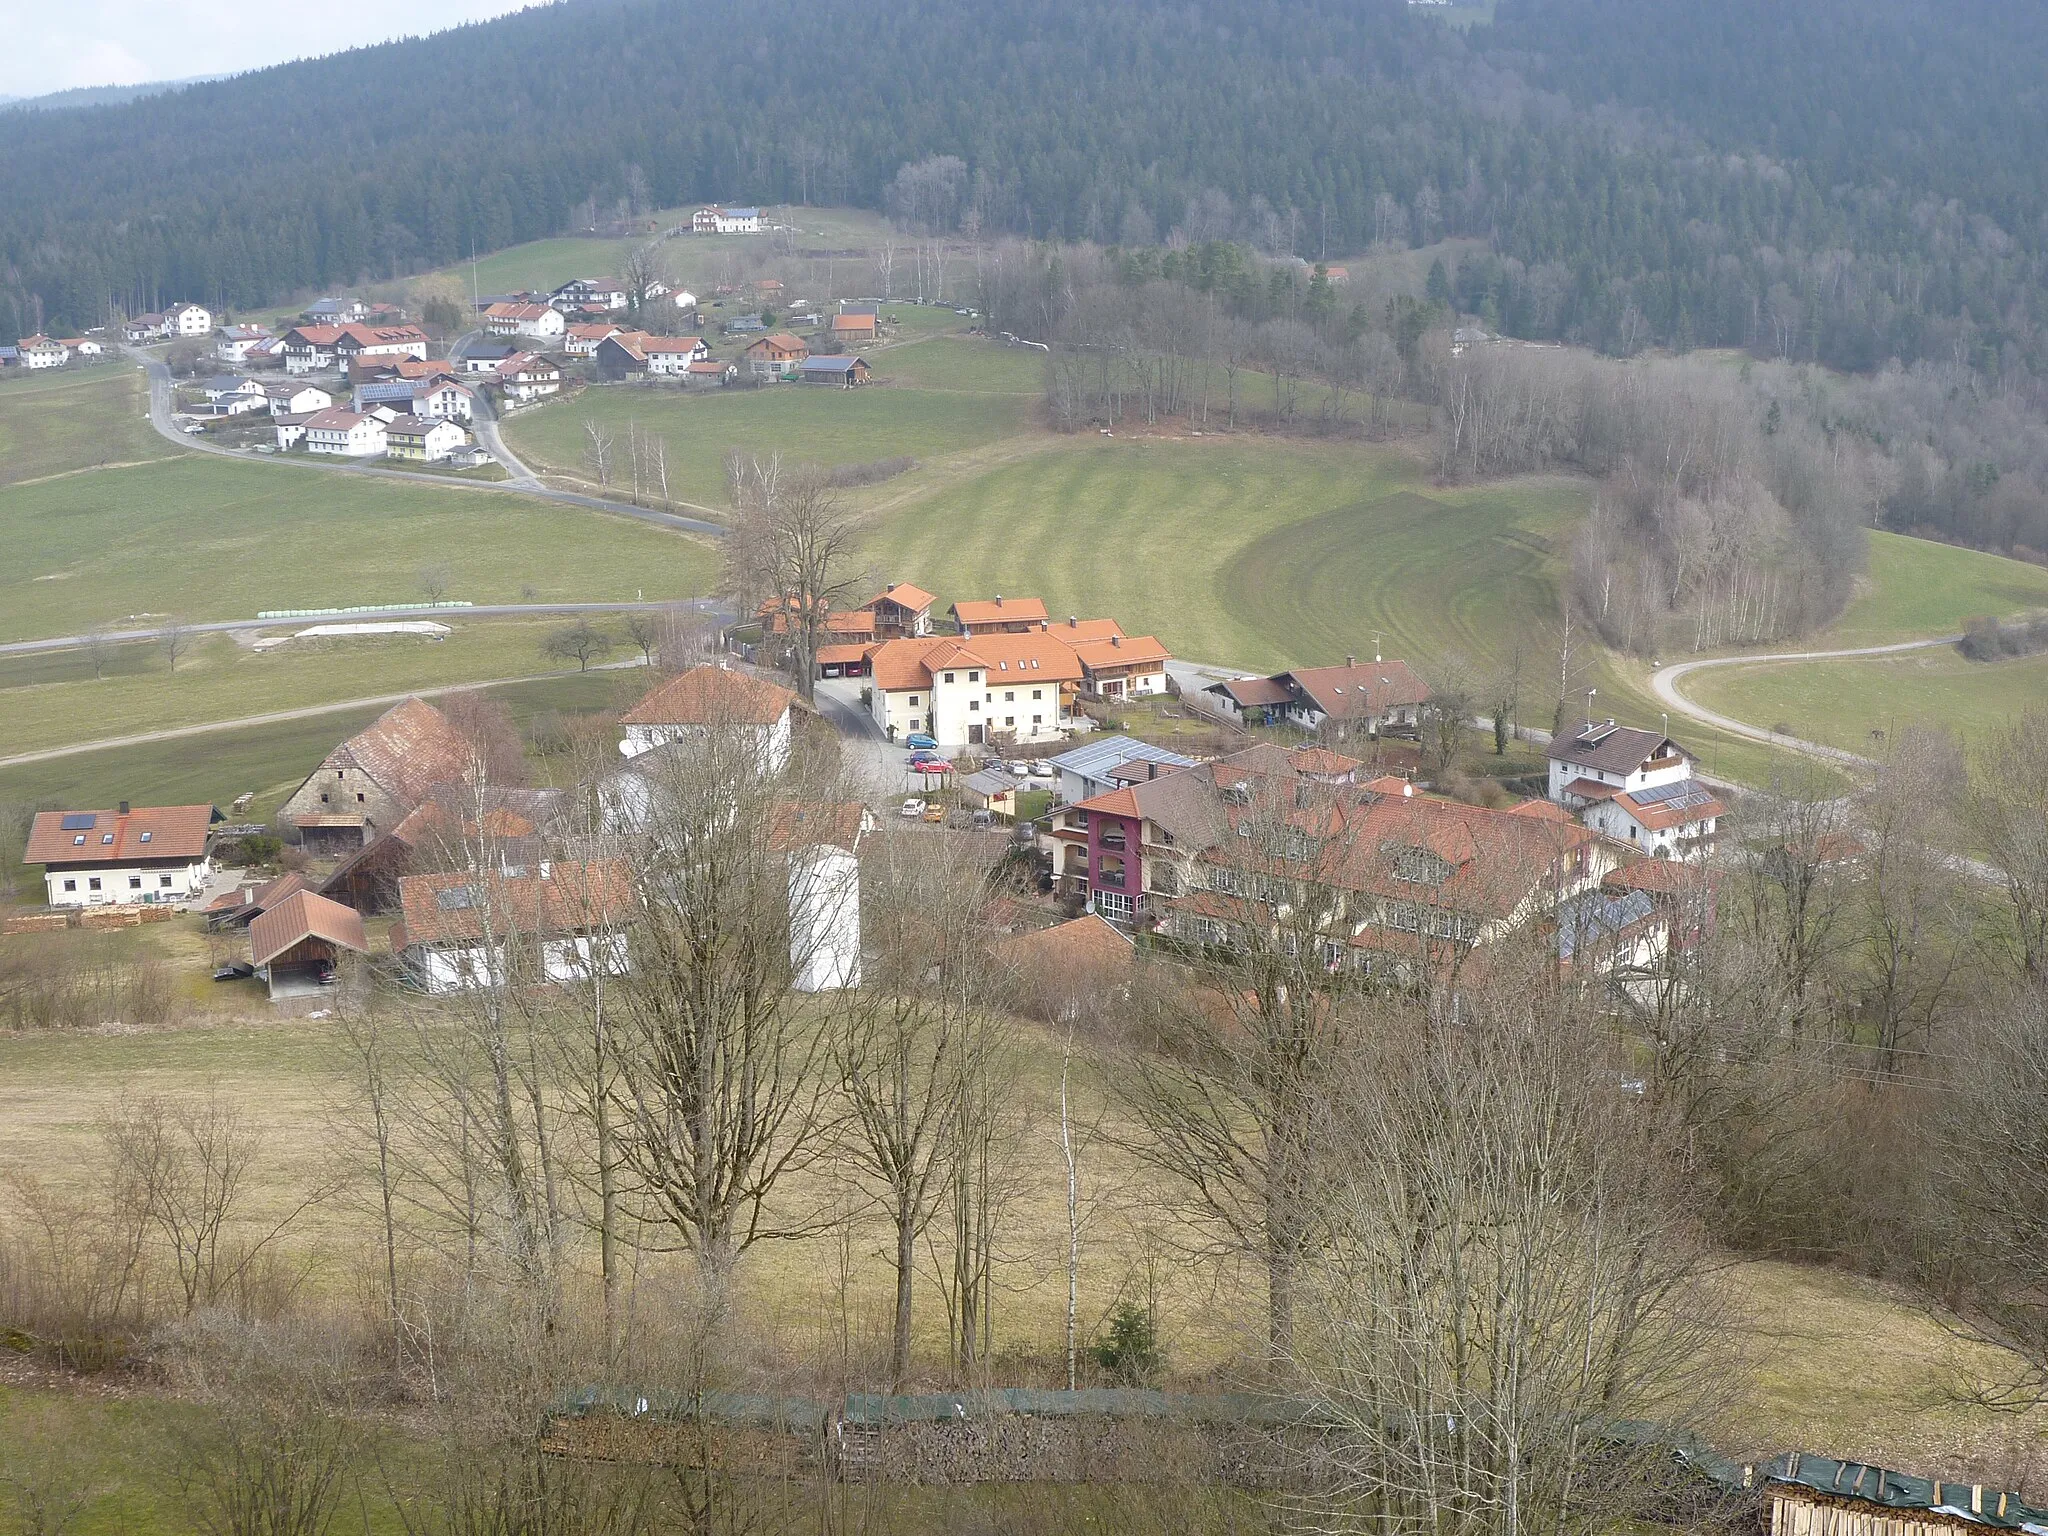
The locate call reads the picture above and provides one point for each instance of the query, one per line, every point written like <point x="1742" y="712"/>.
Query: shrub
<point x="1128" y="1351"/>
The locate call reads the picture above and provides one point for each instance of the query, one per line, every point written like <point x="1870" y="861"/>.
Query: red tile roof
<point x="112" y="837"/>
<point x="407" y="750"/>
<point x="1089" y="942"/>
<point x="1001" y="610"/>
<point x="793" y="825"/>
<point x="1358" y="691"/>
<point x="711" y="695"/>
<point x="671" y="343"/>
<point x="1256" y="692"/>
<point x="916" y="599"/>
<point x="301" y="916"/>
<point x="1119" y="651"/>
<point x="450" y="907"/>
<point x="1321" y="762"/>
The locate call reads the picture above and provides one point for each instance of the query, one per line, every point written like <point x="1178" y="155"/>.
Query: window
<point x="1038" y="693"/>
<point x="106" y="838"/>
<point x="974" y="705"/>
<point x="1009" y="721"/>
<point x="70" y="885"/>
<point x="949" y="677"/>
<point x="147" y="835"/>
<point x="78" y="841"/>
<point x="163" y="882"/>
<point x="974" y="677"/>
<point x="135" y="882"/>
<point x="93" y="883"/>
<point x="913" y="701"/>
<point x="1008" y="698"/>
<point x="1037" y="720"/>
<point x="359" y="798"/>
<point x="323" y="801"/>
<point x="338" y="773"/>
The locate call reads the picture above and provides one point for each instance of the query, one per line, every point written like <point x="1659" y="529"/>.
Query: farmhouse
<point x="486" y="356"/>
<point x="975" y="690"/>
<point x="1352" y="699"/>
<point x="310" y="348"/>
<point x="104" y="858"/>
<point x="1123" y="666"/>
<point x="846" y="372"/>
<point x="528" y="376"/>
<point x="376" y="778"/>
<point x="1635" y="786"/>
<point x="389" y="341"/>
<point x="289" y="399"/>
<point x="423" y="439"/>
<point x="558" y="921"/>
<point x="188" y="320"/>
<point x="901" y="611"/>
<point x="671" y="356"/>
<point x="1001" y="616"/>
<point x="295" y="943"/>
<point x="590" y="293"/>
<point x="542" y="322"/>
<point x="334" y="311"/>
<point x="711" y="700"/>
<point x="779" y="356"/>
<point x="726" y="221"/>
<point x="235" y="343"/>
<point x="230" y="396"/>
<point x="582" y="340"/>
<point x="41" y="352"/>
<point x="344" y="433"/>
<point x="144" y="328"/>
<point x="853" y="329"/>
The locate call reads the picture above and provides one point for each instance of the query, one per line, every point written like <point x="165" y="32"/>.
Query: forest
<point x="1644" y="174"/>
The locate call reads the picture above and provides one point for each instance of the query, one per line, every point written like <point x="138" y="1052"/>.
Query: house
<point x="991" y="790"/>
<point x="1092" y="769"/>
<point x="712" y="700"/>
<point x="144" y="328"/>
<point x="344" y="433"/>
<point x="487" y="356"/>
<point x="901" y="611"/>
<point x="528" y="376"/>
<point x="334" y="311"/>
<point x="83" y="346"/>
<point x="234" y="343"/>
<point x="250" y="900"/>
<point x="726" y="221"/>
<point x="1635" y="786"/>
<point x="582" y="340"/>
<point x="188" y="320"/>
<point x="709" y="373"/>
<point x="1121" y="666"/>
<point x="853" y="329"/>
<point x="621" y="353"/>
<point x="601" y="293"/>
<point x="454" y="825"/>
<point x="780" y="356"/>
<point x="385" y="341"/>
<point x="440" y="399"/>
<point x="107" y="858"/>
<point x="230" y="396"/>
<point x="295" y="943"/>
<point x="375" y="779"/>
<point x="1059" y="971"/>
<point x="423" y="439"/>
<point x="974" y="691"/>
<point x="554" y="922"/>
<point x="291" y="429"/>
<point x="671" y="356"/>
<point x="854" y="626"/>
<point x="822" y="844"/>
<point x="846" y="372"/>
<point x="10" y="357"/>
<point x="1337" y="277"/>
<point x="541" y="322"/>
<point x="42" y="352"/>
<point x="745" y="323"/>
<point x="1352" y="699"/>
<point x="288" y="399"/>
<point x="869" y="307"/>
<point x="310" y="348"/>
<point x="1001" y="616"/>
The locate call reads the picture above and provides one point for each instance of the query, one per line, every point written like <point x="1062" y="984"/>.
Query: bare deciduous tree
<point x="792" y="545"/>
<point x="176" y="637"/>
<point x="582" y="642"/>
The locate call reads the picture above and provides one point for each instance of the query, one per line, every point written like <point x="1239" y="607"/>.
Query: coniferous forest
<point x="1841" y="181"/>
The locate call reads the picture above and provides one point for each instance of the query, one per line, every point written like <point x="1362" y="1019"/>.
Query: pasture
<point x="1915" y="588"/>
<point x="62" y="420"/>
<point x="210" y="538"/>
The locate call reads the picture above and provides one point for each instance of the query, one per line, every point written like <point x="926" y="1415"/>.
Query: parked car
<point x="236" y="970"/>
<point x="931" y="765"/>
<point x="913" y="808"/>
<point x="935" y="813"/>
<point x="1020" y="769"/>
<point x="920" y="739"/>
<point x="1041" y="769"/>
<point x="983" y="819"/>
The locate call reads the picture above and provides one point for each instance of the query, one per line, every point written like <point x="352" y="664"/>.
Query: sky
<point x="54" y="47"/>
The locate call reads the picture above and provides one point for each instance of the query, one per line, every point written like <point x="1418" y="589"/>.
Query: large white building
<point x="110" y="858"/>
<point x="975" y="690"/>
<point x="345" y="433"/>
<point x="188" y="320"/>
<point x="726" y="221"/>
<point x="1635" y="786"/>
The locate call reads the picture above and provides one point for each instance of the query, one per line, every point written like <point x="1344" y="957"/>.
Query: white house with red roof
<point x="344" y="433"/>
<point x="671" y="356"/>
<point x="107" y="858"/>
<point x="975" y="689"/>
<point x="713" y="699"/>
<point x="528" y="376"/>
<point x="1636" y="786"/>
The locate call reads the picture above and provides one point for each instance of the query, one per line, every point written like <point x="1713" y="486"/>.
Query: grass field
<point x="1915" y="588"/>
<point x="1858" y="704"/>
<point x="954" y="396"/>
<point x="67" y="419"/>
<point x="211" y="538"/>
<point x="224" y="679"/>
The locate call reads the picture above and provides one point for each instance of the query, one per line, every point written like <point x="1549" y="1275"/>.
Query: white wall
<point x="770" y="742"/>
<point x="125" y="884"/>
<point x="824" y="919"/>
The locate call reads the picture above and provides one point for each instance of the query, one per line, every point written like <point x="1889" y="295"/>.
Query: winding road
<point x="524" y="481"/>
<point x="1664" y="683"/>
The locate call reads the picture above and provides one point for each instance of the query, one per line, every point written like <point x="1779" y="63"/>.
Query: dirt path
<point x="1664" y="683"/>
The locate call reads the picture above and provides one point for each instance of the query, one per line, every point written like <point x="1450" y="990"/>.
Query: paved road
<point x="1664" y="682"/>
<point x="704" y="605"/>
<point x="524" y="483"/>
<point x="282" y="716"/>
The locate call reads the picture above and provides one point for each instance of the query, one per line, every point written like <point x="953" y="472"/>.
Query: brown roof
<point x="1254" y="692"/>
<point x="853" y="322"/>
<point x="1001" y="610"/>
<point x="1321" y="762"/>
<point x="780" y="342"/>
<point x="1087" y="942"/>
<point x="449" y="908"/>
<point x="334" y="419"/>
<point x="407" y="750"/>
<point x="1033" y="655"/>
<point x="1075" y="631"/>
<point x="112" y="837"/>
<point x="711" y="695"/>
<point x="313" y="335"/>
<point x="1677" y="811"/>
<point x="1117" y="651"/>
<point x="899" y="664"/>
<point x="382" y="335"/>
<point x="794" y="825"/>
<point x="839" y="655"/>
<point x="594" y="332"/>
<point x="671" y="343"/>
<point x="411" y="426"/>
<point x="1609" y="747"/>
<point x="1663" y="877"/>
<point x="423" y="368"/>
<point x="1357" y="691"/>
<point x="916" y="599"/>
<point x="300" y="916"/>
<point x="515" y="311"/>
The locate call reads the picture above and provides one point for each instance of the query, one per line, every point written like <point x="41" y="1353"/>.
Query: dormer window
<point x="147" y="836"/>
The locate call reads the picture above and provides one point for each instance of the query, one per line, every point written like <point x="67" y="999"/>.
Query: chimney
<point x="1151" y="769"/>
<point x="124" y="807"/>
<point x="892" y="586"/>
<point x="999" y="599"/>
<point x="1116" y="640"/>
<point x="1073" y="621"/>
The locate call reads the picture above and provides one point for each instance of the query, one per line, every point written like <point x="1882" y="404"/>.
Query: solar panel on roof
<point x="78" y="822"/>
<point x="1678" y="796"/>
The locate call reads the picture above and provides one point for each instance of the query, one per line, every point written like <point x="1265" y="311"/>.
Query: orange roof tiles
<point x="301" y="916"/>
<point x="112" y="837"/>
<point x="407" y="750"/>
<point x="1118" y="651"/>
<point x="1090" y="941"/>
<point x="451" y="907"/>
<point x="1001" y="610"/>
<point x="916" y="599"/>
<point x="710" y="695"/>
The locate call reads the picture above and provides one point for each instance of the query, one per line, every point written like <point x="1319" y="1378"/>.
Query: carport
<point x="296" y="943"/>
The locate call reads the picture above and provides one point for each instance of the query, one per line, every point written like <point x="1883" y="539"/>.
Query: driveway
<point x="875" y="768"/>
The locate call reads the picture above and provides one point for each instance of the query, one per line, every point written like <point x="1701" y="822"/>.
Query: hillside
<point x="1629" y="202"/>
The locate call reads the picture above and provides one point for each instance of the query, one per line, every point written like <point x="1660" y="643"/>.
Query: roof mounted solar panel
<point x="79" y="821"/>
